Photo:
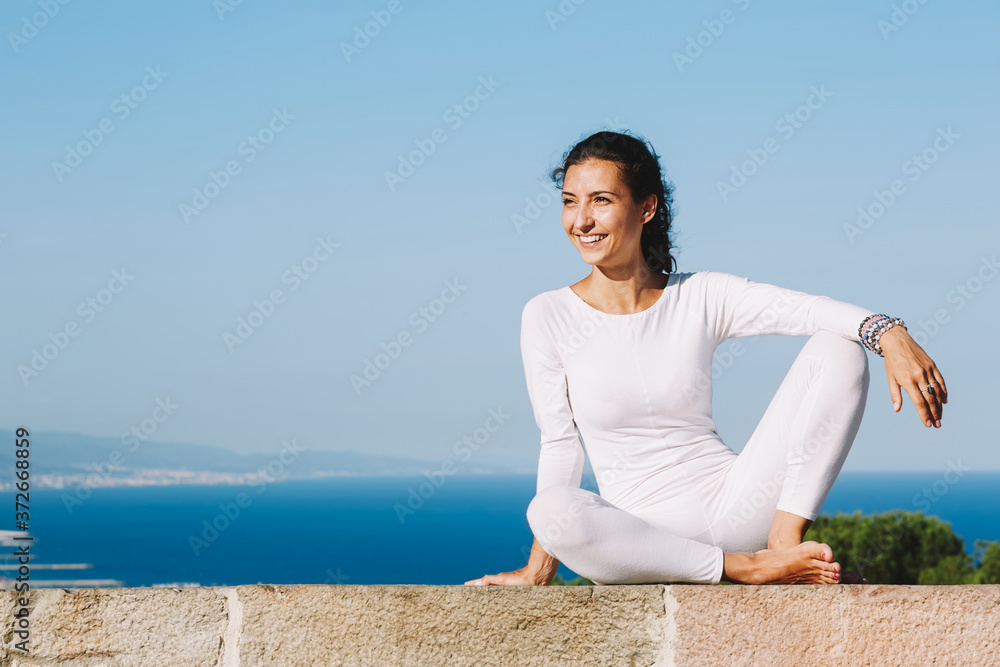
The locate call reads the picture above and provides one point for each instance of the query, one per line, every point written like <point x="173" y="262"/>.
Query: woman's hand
<point x="909" y="367"/>
<point x="519" y="577"/>
<point x="539" y="571"/>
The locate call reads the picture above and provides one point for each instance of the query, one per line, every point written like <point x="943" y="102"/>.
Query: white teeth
<point x="591" y="239"/>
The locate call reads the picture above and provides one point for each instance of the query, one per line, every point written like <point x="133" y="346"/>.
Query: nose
<point x="583" y="220"/>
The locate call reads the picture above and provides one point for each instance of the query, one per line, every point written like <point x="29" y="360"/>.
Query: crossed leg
<point x="768" y="496"/>
<point x="775" y="487"/>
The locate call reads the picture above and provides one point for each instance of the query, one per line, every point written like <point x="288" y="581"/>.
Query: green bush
<point x="905" y="548"/>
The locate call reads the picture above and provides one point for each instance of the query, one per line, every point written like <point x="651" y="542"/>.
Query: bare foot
<point x="806" y="563"/>
<point x="846" y="578"/>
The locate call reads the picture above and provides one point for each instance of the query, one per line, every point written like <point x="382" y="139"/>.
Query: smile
<point x="589" y="241"/>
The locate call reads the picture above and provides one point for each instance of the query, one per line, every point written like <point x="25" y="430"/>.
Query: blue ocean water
<point x="350" y="530"/>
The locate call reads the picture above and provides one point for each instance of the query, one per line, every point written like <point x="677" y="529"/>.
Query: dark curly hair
<point x="639" y="167"/>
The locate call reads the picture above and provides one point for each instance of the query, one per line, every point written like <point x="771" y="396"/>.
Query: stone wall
<point x="508" y="625"/>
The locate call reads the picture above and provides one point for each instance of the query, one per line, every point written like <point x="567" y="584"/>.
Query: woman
<point x="625" y="356"/>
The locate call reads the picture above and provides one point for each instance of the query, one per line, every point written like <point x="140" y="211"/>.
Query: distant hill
<point x="58" y="453"/>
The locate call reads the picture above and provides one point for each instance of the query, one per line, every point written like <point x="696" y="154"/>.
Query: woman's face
<point x="599" y="215"/>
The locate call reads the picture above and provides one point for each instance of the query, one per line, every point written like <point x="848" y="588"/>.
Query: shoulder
<point x="540" y="309"/>
<point x="704" y="281"/>
<point x="710" y="277"/>
<point x="714" y="282"/>
<point x="545" y="302"/>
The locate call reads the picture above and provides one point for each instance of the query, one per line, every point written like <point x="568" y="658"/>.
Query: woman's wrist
<point x="893" y="336"/>
<point x="541" y="567"/>
<point x="874" y="327"/>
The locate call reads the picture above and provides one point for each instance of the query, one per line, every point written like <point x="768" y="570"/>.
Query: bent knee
<point x="554" y="513"/>
<point x="850" y="356"/>
<point x="547" y="502"/>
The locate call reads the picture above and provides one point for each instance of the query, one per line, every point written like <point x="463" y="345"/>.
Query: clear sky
<point x="168" y="167"/>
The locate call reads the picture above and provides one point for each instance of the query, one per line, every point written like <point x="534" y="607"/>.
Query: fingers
<point x="897" y="401"/>
<point x="940" y="386"/>
<point x="919" y="403"/>
<point x="928" y="406"/>
<point x="934" y="397"/>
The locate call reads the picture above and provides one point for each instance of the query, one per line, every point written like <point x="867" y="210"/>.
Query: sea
<point x="373" y="530"/>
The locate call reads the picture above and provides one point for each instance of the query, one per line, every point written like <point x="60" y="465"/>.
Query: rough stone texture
<point x="843" y="625"/>
<point x="450" y="625"/>
<point x="509" y="625"/>
<point x="118" y="627"/>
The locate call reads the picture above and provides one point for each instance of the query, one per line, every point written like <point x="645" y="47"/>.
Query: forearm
<point x="541" y="567"/>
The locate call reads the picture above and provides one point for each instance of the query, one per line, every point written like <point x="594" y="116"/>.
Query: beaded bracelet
<point x="870" y="322"/>
<point x="872" y="328"/>
<point x="876" y="326"/>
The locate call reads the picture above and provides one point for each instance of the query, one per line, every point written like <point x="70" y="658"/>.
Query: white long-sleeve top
<point x="638" y="387"/>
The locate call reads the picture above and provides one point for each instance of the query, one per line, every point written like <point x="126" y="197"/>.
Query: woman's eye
<point x="600" y="198"/>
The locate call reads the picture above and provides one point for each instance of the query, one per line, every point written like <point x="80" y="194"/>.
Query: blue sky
<point x="214" y="157"/>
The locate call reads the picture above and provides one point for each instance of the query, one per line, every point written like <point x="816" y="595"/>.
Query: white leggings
<point x="725" y="505"/>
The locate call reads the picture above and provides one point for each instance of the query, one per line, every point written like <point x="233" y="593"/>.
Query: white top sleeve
<point x="562" y="455"/>
<point x="740" y="307"/>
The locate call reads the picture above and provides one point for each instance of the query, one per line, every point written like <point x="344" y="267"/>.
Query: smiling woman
<point x="629" y="172"/>
<point x="636" y="385"/>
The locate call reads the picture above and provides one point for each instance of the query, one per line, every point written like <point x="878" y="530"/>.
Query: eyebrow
<point x="597" y="192"/>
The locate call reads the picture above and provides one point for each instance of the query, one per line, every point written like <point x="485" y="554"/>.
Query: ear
<point x="649" y="209"/>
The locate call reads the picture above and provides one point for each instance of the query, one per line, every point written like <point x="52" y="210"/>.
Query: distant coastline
<point x="144" y="478"/>
<point x="64" y="460"/>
